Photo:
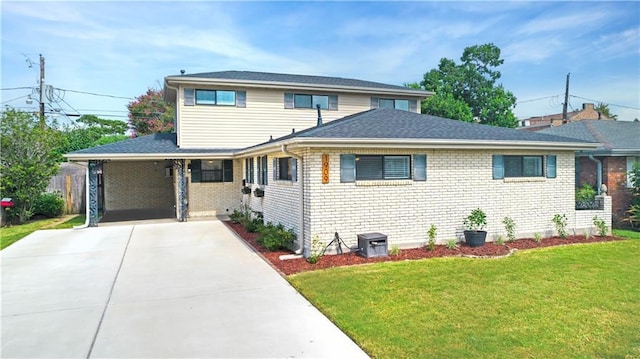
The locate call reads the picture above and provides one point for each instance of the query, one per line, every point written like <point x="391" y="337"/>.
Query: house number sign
<point x="325" y="168"/>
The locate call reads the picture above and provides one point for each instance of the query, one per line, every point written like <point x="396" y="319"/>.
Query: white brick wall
<point x="457" y="182"/>
<point x="584" y="219"/>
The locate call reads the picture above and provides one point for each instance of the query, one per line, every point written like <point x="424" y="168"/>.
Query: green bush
<point x="560" y="221"/>
<point x="275" y="237"/>
<point x="317" y="250"/>
<point x="601" y="226"/>
<point x="586" y="193"/>
<point x="48" y="204"/>
<point x="433" y="232"/>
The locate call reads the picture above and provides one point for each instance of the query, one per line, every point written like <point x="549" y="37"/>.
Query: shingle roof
<point x="614" y="135"/>
<point x="384" y="123"/>
<point x="159" y="143"/>
<point x="297" y="79"/>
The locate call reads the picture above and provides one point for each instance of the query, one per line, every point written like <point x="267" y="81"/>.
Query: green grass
<point x="626" y="233"/>
<point x="563" y="302"/>
<point x="12" y="234"/>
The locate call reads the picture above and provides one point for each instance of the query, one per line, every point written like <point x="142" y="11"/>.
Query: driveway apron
<point x="170" y="290"/>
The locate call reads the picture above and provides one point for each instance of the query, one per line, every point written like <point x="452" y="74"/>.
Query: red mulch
<point x="490" y="249"/>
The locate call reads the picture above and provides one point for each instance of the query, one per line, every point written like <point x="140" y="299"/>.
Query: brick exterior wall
<point x="215" y="198"/>
<point x="614" y="176"/>
<point x="137" y="185"/>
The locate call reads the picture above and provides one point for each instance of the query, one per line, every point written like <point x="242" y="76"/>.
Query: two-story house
<point x="324" y="154"/>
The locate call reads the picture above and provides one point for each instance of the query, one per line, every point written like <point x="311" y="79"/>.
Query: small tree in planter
<point x="475" y="235"/>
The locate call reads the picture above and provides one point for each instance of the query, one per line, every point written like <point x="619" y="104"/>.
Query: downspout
<point x="301" y="196"/>
<point x="86" y="199"/>
<point x="599" y="170"/>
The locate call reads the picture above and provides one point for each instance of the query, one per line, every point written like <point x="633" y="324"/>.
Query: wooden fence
<point x="70" y="183"/>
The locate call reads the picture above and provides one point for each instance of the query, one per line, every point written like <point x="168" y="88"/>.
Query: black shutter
<point x="419" y="167"/>
<point x="347" y="168"/>
<point x="551" y="166"/>
<point x="195" y="171"/>
<point x="498" y="167"/>
<point x="227" y="171"/>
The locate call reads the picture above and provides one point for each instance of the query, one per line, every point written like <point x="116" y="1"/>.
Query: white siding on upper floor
<point x="202" y="126"/>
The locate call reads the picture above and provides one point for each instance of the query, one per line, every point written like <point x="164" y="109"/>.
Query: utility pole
<point x="41" y="89"/>
<point x="566" y="101"/>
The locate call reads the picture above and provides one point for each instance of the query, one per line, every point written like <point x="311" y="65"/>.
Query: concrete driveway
<point x="178" y="290"/>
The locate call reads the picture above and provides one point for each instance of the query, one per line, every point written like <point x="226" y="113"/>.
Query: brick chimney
<point x="587" y="106"/>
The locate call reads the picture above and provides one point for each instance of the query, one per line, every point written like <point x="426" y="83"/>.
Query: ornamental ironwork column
<point x="181" y="206"/>
<point x="95" y="168"/>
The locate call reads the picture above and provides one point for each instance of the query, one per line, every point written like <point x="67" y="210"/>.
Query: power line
<point x="17" y="98"/>
<point x="16" y="88"/>
<point x="537" y="99"/>
<point x="610" y="104"/>
<point x="97" y="94"/>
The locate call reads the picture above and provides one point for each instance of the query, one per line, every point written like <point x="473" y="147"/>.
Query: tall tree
<point x="90" y="131"/>
<point x="604" y="110"/>
<point x="150" y="113"/>
<point x="472" y="82"/>
<point x="29" y="159"/>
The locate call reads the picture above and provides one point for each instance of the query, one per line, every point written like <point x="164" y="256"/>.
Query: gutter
<point x="599" y="170"/>
<point x="283" y="148"/>
<point x="86" y="206"/>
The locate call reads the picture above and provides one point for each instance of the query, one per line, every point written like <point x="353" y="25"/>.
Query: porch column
<point x="95" y="167"/>
<point x="182" y="200"/>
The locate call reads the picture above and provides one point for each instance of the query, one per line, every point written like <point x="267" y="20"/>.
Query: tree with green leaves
<point x="604" y="110"/>
<point x="471" y="83"/>
<point x="29" y="159"/>
<point x="90" y="131"/>
<point x="150" y="113"/>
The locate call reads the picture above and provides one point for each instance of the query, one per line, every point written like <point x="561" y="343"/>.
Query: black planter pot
<point x="475" y="238"/>
<point x="246" y="190"/>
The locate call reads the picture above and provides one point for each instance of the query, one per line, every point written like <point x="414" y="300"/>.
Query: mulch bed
<point x="489" y="250"/>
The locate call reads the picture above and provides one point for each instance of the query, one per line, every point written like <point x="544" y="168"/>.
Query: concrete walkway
<point x="168" y="290"/>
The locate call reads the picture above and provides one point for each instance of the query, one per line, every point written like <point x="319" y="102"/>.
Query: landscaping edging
<point x="489" y="251"/>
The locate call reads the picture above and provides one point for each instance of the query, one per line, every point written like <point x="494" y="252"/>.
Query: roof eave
<point x="146" y="156"/>
<point x="185" y="80"/>
<point x="304" y="142"/>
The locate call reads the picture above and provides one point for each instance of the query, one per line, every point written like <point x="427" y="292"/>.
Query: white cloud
<point x="579" y="20"/>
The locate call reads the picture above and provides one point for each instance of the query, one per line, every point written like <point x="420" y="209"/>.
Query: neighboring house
<point x="608" y="164"/>
<point x="538" y="123"/>
<point x="372" y="163"/>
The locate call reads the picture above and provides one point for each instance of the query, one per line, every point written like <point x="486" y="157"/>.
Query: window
<point x="309" y="101"/>
<point x="382" y="167"/>
<point x="391" y="103"/>
<point x="248" y="170"/>
<point x="285" y="169"/>
<point x="263" y="173"/>
<point x="630" y="162"/>
<point x="523" y="166"/>
<point x="216" y="97"/>
<point x="211" y="171"/>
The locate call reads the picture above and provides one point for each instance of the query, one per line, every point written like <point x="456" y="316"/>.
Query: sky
<point x="99" y="56"/>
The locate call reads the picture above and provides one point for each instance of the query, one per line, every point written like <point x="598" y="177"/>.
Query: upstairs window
<point x="310" y="101"/>
<point x="398" y="104"/>
<point x="216" y="97"/>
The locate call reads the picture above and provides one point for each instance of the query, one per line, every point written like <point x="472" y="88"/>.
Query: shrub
<point x="395" y="250"/>
<point x="560" y="221"/>
<point x="451" y="244"/>
<point x="510" y="227"/>
<point x="433" y="232"/>
<point x="275" y="237"/>
<point x="586" y="193"/>
<point x="499" y="240"/>
<point x="317" y="250"/>
<point x="476" y="221"/>
<point x="601" y="226"/>
<point x="48" y="204"/>
<point x="537" y="237"/>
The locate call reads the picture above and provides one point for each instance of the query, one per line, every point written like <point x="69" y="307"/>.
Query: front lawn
<point x="569" y="301"/>
<point x="12" y="234"/>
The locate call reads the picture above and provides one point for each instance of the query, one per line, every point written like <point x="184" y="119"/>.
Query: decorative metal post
<point x="182" y="190"/>
<point x="95" y="168"/>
